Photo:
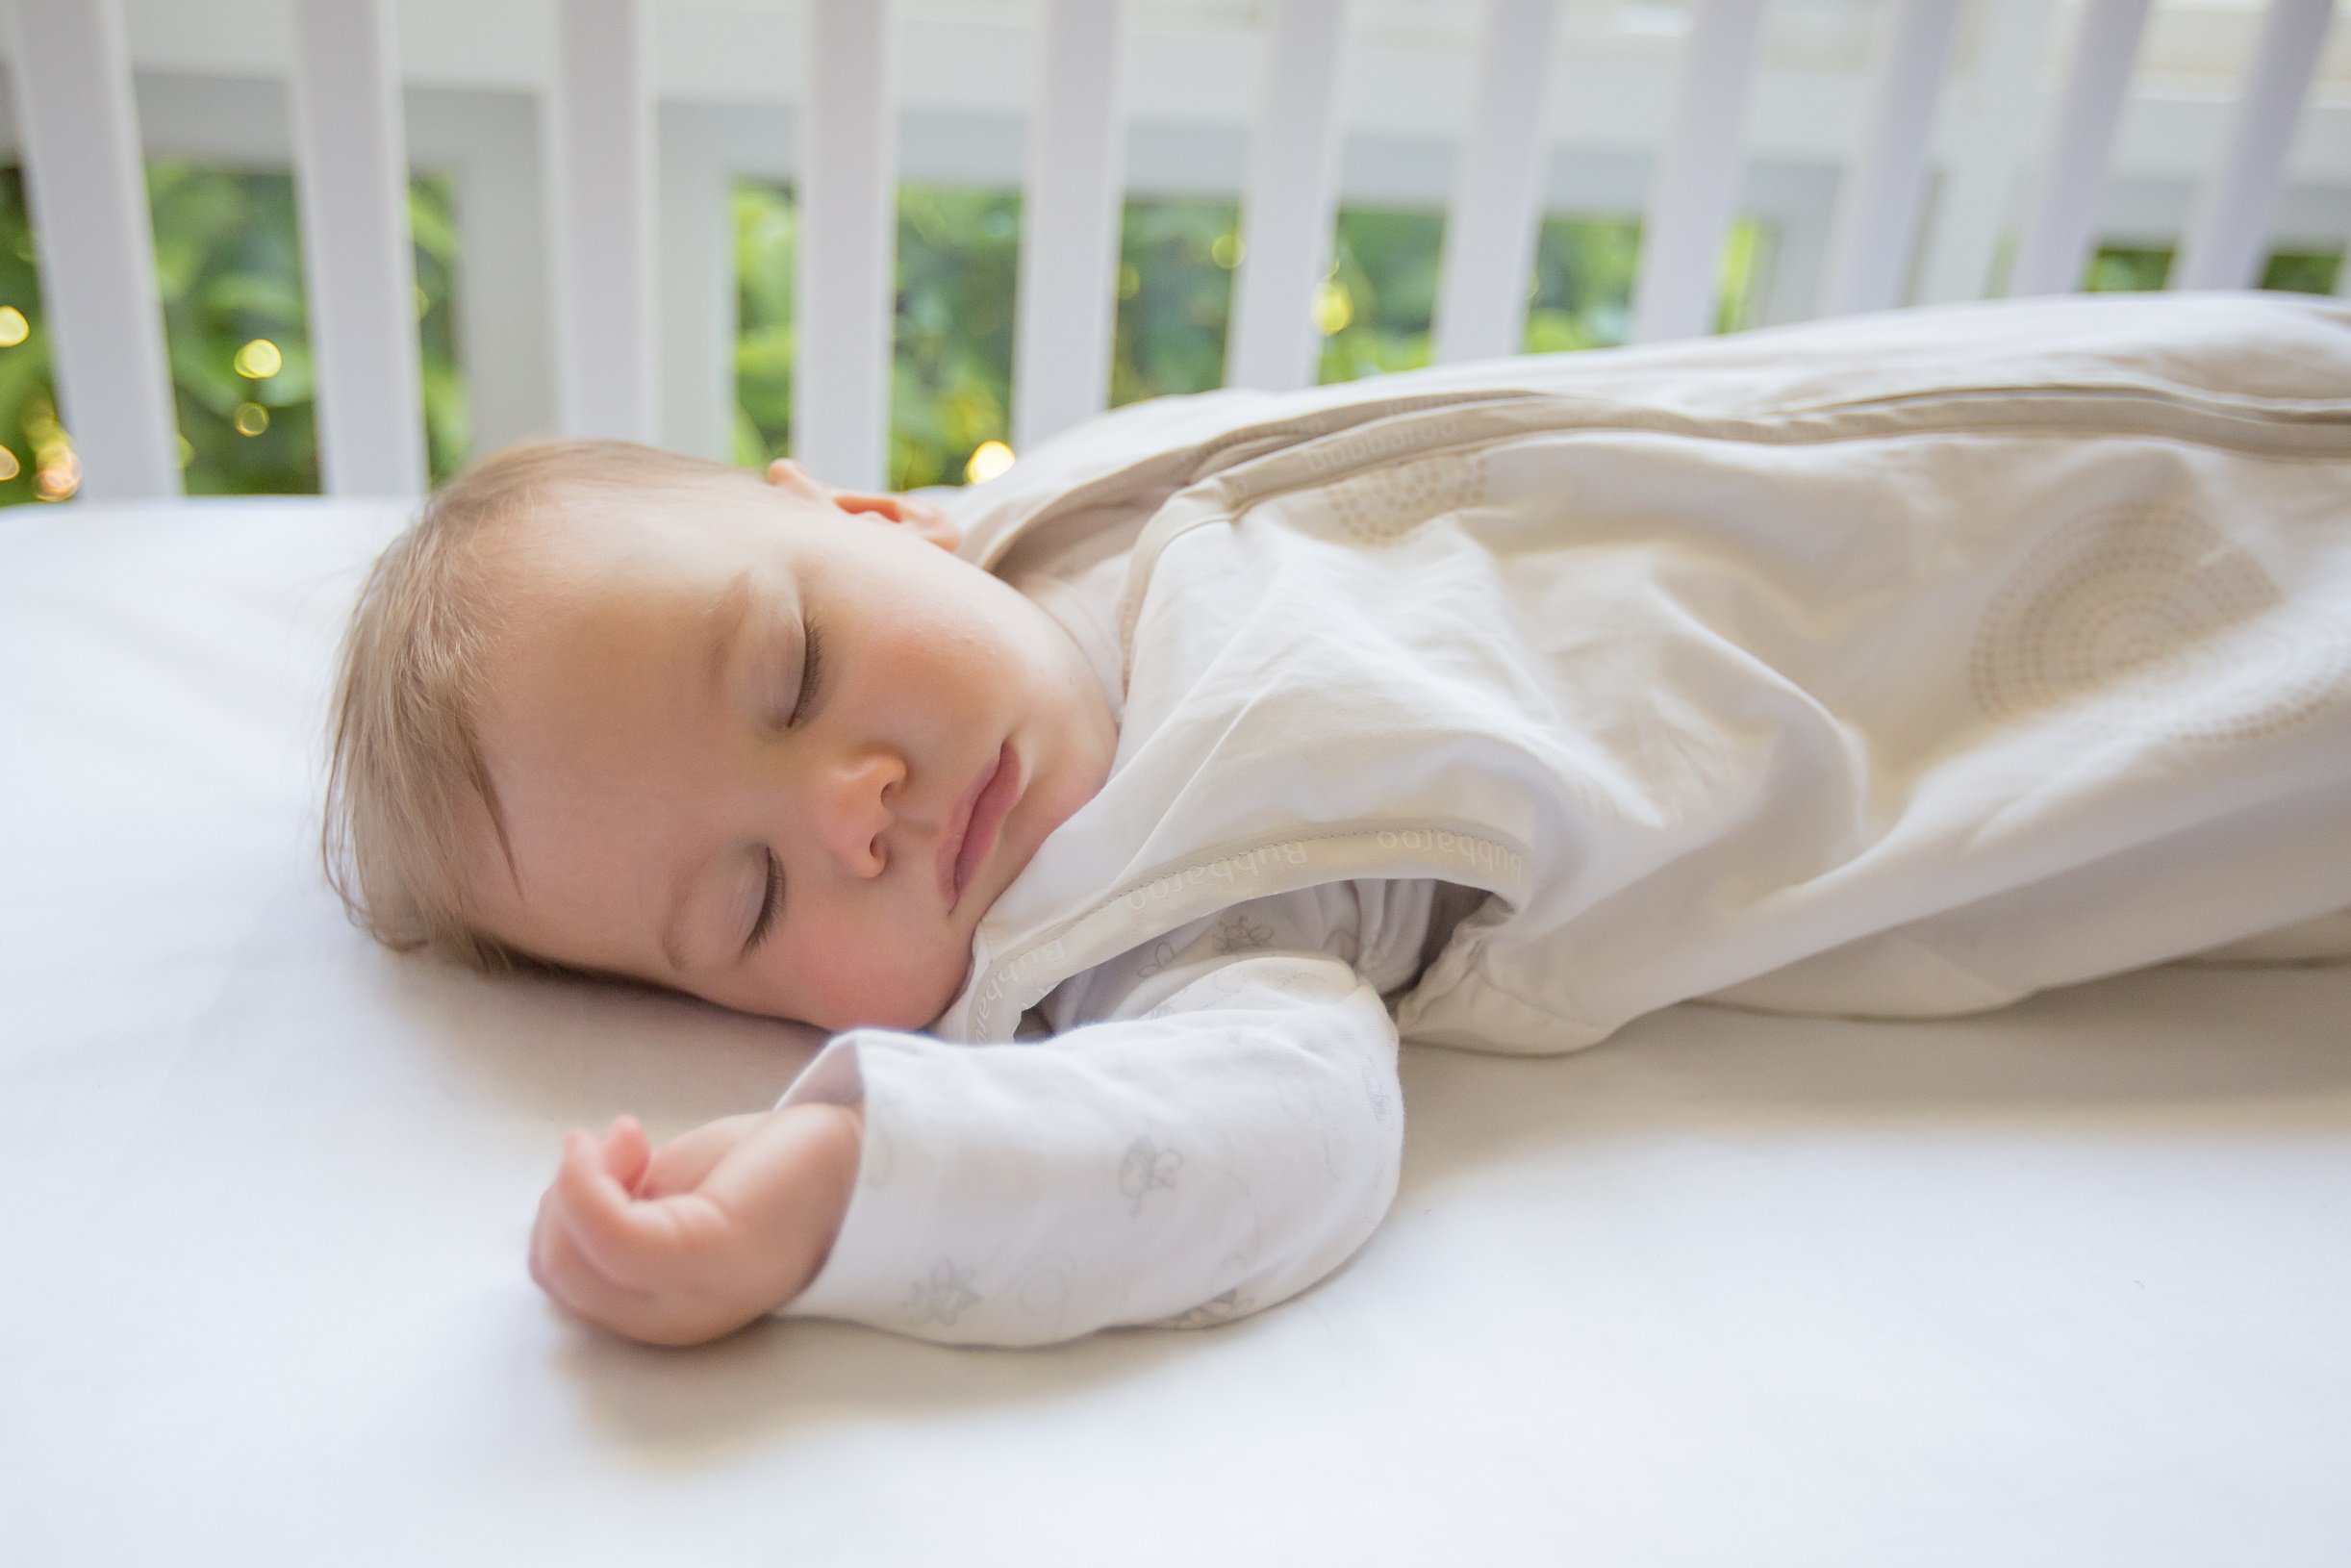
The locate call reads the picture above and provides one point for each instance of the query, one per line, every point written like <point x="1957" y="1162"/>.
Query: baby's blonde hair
<point x="406" y="775"/>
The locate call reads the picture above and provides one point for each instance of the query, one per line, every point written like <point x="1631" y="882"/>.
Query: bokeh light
<point x="58" y="479"/>
<point x="990" y="459"/>
<point x="1333" y="308"/>
<point x="259" y="360"/>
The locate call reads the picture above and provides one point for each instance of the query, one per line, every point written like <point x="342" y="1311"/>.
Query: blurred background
<point x="212" y="109"/>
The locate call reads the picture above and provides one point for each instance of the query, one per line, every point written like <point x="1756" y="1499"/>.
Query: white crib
<point x="2063" y="1283"/>
<point x="1960" y="99"/>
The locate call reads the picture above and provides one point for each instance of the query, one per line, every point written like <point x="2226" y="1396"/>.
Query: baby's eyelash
<point x="767" y="904"/>
<point x="811" y="666"/>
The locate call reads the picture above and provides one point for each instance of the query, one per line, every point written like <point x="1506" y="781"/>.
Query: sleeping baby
<point x="1118" y="817"/>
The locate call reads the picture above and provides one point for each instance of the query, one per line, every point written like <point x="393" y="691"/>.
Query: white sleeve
<point x="1212" y="1153"/>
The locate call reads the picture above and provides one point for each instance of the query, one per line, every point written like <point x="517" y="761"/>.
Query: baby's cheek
<point x="895" y="980"/>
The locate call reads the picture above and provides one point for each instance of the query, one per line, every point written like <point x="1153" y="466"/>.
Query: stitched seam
<point x="1784" y="428"/>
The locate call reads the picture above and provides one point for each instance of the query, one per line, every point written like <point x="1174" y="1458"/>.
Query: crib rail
<point x="1067" y="301"/>
<point x="601" y="153"/>
<point x="85" y="193"/>
<point x="848" y="237"/>
<point x="1293" y="197"/>
<point x="635" y="337"/>
<point x="351" y="160"/>
<point x="1491" y="219"/>
<point x="1879" y="212"/>
<point x="2224" y="244"/>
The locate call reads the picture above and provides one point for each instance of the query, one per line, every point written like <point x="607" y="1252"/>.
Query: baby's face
<point x="778" y="756"/>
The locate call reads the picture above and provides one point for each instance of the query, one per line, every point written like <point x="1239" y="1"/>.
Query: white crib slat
<point x="2052" y="246"/>
<point x="1490" y="229"/>
<point x="600" y="148"/>
<point x="1291" y="202"/>
<point x="1070" y="221"/>
<point x="505" y="319"/>
<point x="1696" y="181"/>
<point x="351" y="158"/>
<point x="1990" y="147"/>
<point x="1877" y="219"/>
<point x="2229" y="236"/>
<point x="697" y="289"/>
<point x="88" y="198"/>
<point x="844" y="278"/>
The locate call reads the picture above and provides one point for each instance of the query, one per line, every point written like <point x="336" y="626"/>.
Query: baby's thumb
<point x="626" y="1152"/>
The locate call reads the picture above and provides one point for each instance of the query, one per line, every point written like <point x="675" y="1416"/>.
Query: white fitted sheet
<point x="2069" y="1283"/>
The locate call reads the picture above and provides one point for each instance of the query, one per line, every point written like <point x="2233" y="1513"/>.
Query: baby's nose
<point x="854" y="814"/>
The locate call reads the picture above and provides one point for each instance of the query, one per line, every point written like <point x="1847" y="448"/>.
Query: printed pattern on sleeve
<point x="1227" y="1133"/>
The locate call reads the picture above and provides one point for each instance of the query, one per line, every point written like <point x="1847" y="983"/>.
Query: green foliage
<point x="1380" y="303"/>
<point x="432" y="228"/>
<point x="2117" y="268"/>
<point x="28" y="408"/>
<point x="1175" y="267"/>
<point x="1580" y="294"/>
<point x="2303" y="273"/>
<point x="228" y="263"/>
<point x="958" y="262"/>
<point x="228" y="266"/>
<point x="950" y="374"/>
<point x="766" y="230"/>
<point x="1375" y="306"/>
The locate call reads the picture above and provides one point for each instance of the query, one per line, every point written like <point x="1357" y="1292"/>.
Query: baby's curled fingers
<point x="558" y="1268"/>
<point x="567" y="1276"/>
<point x="625" y="1152"/>
<point x="633" y="1244"/>
<point x="685" y="1162"/>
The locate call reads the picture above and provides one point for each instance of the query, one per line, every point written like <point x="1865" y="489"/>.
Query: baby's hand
<point x="722" y="1226"/>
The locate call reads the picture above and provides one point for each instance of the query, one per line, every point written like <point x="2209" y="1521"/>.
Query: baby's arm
<point x="717" y="1228"/>
<point x="1217" y="1154"/>
<point x="1225" y="1139"/>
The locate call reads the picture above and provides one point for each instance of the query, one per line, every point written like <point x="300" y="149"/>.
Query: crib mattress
<point x="2069" y="1283"/>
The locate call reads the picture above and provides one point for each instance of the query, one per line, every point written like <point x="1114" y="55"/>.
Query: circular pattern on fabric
<point x="2134" y="622"/>
<point x="1384" y="504"/>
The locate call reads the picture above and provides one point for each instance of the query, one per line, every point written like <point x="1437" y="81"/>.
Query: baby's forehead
<point x="590" y="537"/>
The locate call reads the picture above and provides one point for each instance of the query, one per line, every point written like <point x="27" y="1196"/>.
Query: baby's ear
<point x="785" y="474"/>
<point x="929" y="521"/>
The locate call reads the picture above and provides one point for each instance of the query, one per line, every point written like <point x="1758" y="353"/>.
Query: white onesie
<point x="1201" y="1128"/>
<point x="1227" y="1135"/>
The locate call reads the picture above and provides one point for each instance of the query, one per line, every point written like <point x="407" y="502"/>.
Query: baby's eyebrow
<point x="725" y="619"/>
